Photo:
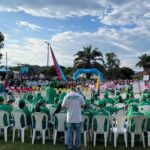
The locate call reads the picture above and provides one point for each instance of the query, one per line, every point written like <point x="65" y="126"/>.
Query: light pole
<point x="48" y="44"/>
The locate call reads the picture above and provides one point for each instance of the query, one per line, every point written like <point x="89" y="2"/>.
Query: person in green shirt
<point x="24" y="108"/>
<point x="100" y="111"/>
<point x="29" y="98"/>
<point x="50" y="95"/>
<point x="130" y="88"/>
<point x="133" y="112"/>
<point x="107" y="99"/>
<point x="36" y="98"/>
<point x="144" y="101"/>
<point x="117" y="98"/>
<point x="62" y="95"/>
<point x="8" y="107"/>
<point x="131" y="99"/>
<point x="92" y="105"/>
<point x="44" y="109"/>
<point x="127" y="97"/>
<point x="148" y="96"/>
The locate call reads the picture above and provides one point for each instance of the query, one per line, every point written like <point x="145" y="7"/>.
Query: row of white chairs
<point x="118" y="126"/>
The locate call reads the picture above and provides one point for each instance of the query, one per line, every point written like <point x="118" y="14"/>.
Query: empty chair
<point x="60" y="125"/>
<point x="119" y="126"/>
<point x="136" y="127"/>
<point x="20" y="123"/>
<point x="39" y="123"/>
<point x="4" y="122"/>
<point x="100" y="125"/>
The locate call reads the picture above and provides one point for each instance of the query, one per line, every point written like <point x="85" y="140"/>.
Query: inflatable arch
<point x="94" y="71"/>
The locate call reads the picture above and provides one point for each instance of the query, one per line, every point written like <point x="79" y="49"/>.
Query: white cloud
<point x="66" y="44"/>
<point x="125" y="29"/>
<point x="28" y="25"/>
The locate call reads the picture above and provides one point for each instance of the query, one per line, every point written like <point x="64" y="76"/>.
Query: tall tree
<point x="88" y="58"/>
<point x="144" y="62"/>
<point x="1" y="43"/>
<point x="112" y="66"/>
<point x="126" y="73"/>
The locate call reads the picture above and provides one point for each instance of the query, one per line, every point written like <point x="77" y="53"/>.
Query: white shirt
<point x="73" y="102"/>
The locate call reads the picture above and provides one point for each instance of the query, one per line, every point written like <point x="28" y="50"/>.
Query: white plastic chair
<point x="2" y="125"/>
<point x="37" y="125"/>
<point x="100" y="119"/>
<point x="60" y="118"/>
<point x="138" y="122"/>
<point x="16" y="115"/>
<point x="85" y="127"/>
<point x="119" y="126"/>
<point x="148" y="130"/>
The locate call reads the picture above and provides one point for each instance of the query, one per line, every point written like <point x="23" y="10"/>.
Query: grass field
<point x="17" y="145"/>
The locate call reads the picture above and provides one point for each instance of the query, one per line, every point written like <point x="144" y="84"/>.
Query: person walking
<point x="73" y="102"/>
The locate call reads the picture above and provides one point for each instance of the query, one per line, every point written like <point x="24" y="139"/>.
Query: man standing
<point x="73" y="102"/>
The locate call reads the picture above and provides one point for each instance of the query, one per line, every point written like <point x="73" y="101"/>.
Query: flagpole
<point x="48" y="45"/>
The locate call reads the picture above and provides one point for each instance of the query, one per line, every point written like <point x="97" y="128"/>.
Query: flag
<point x="57" y="67"/>
<point x="98" y="83"/>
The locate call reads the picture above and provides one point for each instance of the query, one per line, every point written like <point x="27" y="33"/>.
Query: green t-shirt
<point x="7" y="108"/>
<point x="50" y="95"/>
<point x="45" y="110"/>
<point x="111" y="110"/>
<point x="28" y="115"/>
<point x="108" y="100"/>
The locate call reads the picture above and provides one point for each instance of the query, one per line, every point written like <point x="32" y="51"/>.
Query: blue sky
<point x="116" y="26"/>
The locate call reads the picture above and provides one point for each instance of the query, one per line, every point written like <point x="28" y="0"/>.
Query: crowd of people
<point x="74" y="102"/>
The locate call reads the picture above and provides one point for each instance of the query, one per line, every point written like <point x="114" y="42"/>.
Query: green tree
<point x="112" y="66"/>
<point x="1" y="43"/>
<point x="88" y="58"/>
<point x="126" y="73"/>
<point x="144" y="62"/>
<point x="68" y="72"/>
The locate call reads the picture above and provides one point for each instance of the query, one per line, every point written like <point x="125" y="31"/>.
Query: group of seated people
<point x="30" y="103"/>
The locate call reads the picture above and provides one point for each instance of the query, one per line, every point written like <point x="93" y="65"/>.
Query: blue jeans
<point x="71" y="127"/>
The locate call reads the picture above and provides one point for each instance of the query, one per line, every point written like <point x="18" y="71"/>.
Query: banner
<point x="24" y="70"/>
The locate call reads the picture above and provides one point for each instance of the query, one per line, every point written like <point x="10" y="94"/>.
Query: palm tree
<point x="88" y="58"/>
<point x="1" y="43"/>
<point x="144" y="62"/>
<point x="112" y="66"/>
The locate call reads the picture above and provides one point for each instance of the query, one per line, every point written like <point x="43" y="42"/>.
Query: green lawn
<point x="17" y="145"/>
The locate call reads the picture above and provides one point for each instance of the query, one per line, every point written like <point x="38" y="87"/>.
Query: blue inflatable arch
<point x="94" y="71"/>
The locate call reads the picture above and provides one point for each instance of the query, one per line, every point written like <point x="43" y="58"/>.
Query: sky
<point x="119" y="26"/>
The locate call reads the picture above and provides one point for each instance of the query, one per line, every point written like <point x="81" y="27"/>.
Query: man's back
<point x="73" y="102"/>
